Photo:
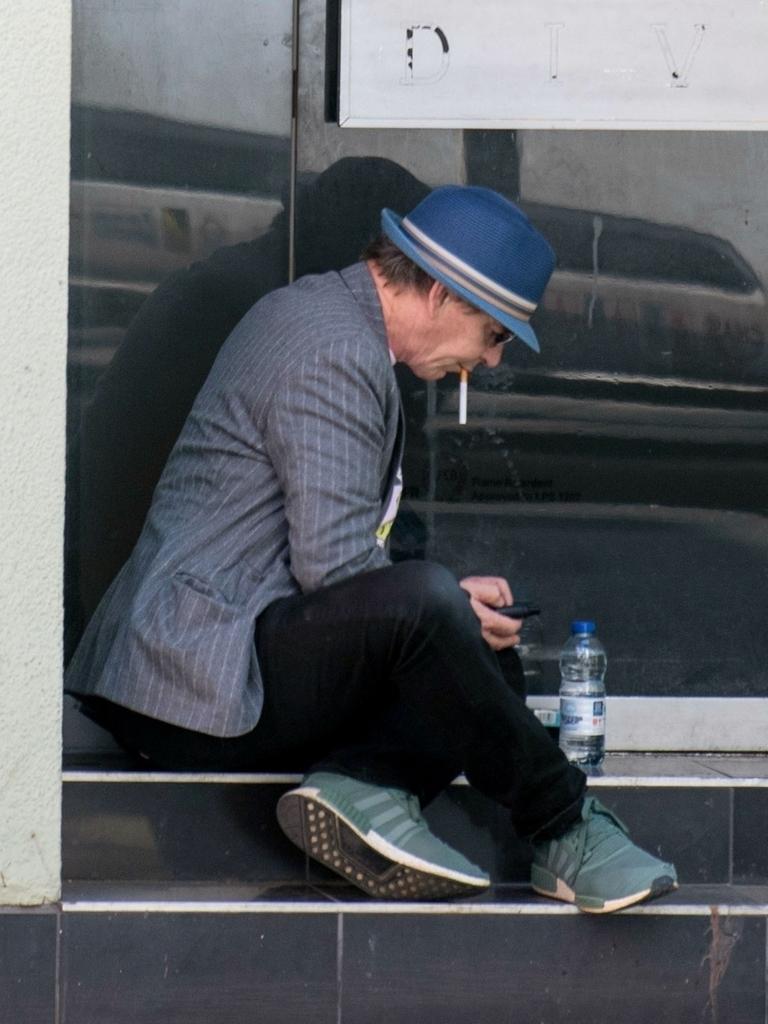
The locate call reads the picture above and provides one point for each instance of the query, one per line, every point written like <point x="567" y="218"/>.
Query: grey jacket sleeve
<point x="327" y="438"/>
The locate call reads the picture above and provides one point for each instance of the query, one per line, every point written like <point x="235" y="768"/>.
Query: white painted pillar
<point x="34" y="172"/>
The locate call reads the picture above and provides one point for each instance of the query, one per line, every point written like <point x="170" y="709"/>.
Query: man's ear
<point x="437" y="296"/>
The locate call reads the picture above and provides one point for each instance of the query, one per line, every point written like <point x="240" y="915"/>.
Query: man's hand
<point x="485" y="594"/>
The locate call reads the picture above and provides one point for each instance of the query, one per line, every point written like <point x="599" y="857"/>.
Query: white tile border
<point x="219" y="778"/>
<point x="699" y="775"/>
<point x="328" y="907"/>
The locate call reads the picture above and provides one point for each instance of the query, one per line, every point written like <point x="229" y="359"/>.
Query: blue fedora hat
<point x="482" y="247"/>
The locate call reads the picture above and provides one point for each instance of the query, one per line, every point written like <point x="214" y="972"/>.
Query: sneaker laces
<point x="414" y="808"/>
<point x="410" y="804"/>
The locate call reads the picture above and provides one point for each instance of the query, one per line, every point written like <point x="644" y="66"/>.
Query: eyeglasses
<point x="501" y="335"/>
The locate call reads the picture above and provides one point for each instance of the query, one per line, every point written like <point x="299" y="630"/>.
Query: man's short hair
<point x="395" y="266"/>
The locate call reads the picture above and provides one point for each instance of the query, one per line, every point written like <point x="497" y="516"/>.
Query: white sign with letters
<point x="682" y="64"/>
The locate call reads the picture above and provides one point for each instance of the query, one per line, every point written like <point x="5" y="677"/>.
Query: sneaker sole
<point x="367" y="861"/>
<point x="591" y="905"/>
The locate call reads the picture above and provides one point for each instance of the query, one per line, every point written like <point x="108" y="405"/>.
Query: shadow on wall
<point x="142" y="399"/>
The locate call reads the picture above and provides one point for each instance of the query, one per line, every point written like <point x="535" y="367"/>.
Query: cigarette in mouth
<point x="463" y="380"/>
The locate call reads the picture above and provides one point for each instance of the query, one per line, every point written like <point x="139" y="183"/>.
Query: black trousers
<point x="385" y="677"/>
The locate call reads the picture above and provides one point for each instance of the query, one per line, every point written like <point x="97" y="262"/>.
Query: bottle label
<point x="582" y="716"/>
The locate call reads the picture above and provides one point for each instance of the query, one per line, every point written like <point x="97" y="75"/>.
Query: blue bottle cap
<point x="582" y="626"/>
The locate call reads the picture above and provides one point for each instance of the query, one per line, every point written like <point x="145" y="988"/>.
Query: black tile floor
<point x="199" y="968"/>
<point x="750" y="831"/>
<point x="186" y="905"/>
<point x="28" y="966"/>
<point x="163" y="954"/>
<point x="499" y="969"/>
<point x="710" y="824"/>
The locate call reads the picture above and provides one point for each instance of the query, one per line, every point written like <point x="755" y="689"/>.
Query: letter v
<point x="679" y="74"/>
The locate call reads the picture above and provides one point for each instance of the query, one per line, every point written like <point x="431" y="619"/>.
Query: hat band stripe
<point x="480" y="281"/>
<point x="481" y="293"/>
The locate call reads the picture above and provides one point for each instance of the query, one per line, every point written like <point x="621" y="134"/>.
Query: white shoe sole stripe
<point x="567" y="895"/>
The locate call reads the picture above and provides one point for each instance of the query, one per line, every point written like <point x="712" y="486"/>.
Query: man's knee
<point x="432" y="591"/>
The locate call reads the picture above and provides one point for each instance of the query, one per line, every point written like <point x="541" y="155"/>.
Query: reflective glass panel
<point x="619" y="475"/>
<point x="181" y="167"/>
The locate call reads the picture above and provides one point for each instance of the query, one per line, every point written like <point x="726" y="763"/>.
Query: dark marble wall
<point x="80" y="967"/>
<point x="620" y="475"/>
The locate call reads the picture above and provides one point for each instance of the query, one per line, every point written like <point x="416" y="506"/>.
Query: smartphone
<point x="519" y="610"/>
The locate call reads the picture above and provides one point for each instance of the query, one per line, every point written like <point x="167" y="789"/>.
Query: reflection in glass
<point x="180" y="189"/>
<point x="620" y="474"/>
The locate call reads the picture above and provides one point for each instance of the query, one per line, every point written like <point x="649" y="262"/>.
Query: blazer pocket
<point x="192" y="640"/>
<point x="198" y="586"/>
<point x="193" y="612"/>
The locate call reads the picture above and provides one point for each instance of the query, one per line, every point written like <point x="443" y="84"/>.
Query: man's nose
<point x="492" y="356"/>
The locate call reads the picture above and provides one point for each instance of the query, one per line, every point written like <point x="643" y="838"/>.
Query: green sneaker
<point x="376" y="838"/>
<point x="596" y="866"/>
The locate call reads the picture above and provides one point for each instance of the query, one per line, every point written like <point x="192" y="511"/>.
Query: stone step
<point x="707" y="814"/>
<point x="324" y="953"/>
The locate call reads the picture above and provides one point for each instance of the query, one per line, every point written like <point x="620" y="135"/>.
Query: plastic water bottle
<point x="582" y="696"/>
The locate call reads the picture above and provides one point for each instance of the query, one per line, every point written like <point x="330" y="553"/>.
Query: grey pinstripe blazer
<point x="276" y="485"/>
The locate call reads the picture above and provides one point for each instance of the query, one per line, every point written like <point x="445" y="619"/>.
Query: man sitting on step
<point x="259" y="620"/>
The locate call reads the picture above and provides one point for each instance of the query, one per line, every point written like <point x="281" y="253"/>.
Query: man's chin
<point x="429" y="372"/>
